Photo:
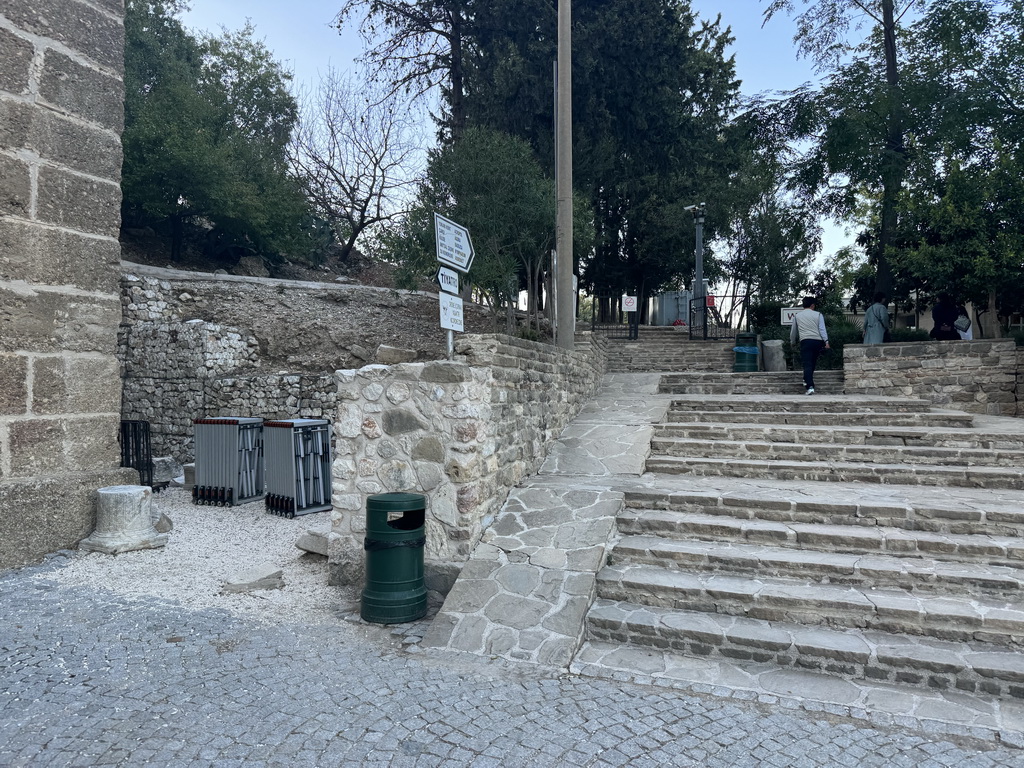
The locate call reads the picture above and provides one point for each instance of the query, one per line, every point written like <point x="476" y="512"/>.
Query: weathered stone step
<point x="748" y="383"/>
<point x="822" y="418"/>
<point x="874" y="454"/>
<point x="899" y="474"/>
<point x="865" y="571"/>
<point x="851" y="654"/>
<point x="980" y="515"/>
<point x="846" y="435"/>
<point x="860" y="537"/>
<point x="801" y="404"/>
<point x="838" y="606"/>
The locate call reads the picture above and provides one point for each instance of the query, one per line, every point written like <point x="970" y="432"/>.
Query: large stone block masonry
<point x="463" y="433"/>
<point x="972" y="376"/>
<point x="61" y="114"/>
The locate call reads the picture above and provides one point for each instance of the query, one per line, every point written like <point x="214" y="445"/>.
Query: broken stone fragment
<point x="313" y="541"/>
<point x="258" y="577"/>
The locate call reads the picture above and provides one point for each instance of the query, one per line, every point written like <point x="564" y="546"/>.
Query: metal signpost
<point x="455" y="250"/>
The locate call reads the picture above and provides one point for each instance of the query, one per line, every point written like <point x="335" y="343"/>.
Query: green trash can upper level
<point x="746" y="353"/>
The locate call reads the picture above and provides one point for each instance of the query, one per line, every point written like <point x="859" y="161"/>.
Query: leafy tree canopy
<point x="207" y="123"/>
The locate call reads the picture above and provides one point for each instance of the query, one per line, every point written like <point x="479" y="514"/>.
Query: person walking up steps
<point x="809" y="328"/>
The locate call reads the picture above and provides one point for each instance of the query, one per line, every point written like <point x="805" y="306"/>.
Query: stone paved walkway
<point x="92" y="679"/>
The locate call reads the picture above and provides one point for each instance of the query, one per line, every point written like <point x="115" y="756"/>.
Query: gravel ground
<point x="209" y="545"/>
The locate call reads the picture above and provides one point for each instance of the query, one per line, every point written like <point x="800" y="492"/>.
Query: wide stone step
<point x="991" y="620"/>
<point x="851" y="654"/>
<point x="872" y="571"/>
<point x="658" y="510"/>
<point x="875" y="454"/>
<point x="864" y="537"/>
<point x="900" y="474"/>
<point x="841" y="434"/>
<point x="823" y="418"/>
<point x="748" y="383"/>
<point x="801" y="404"/>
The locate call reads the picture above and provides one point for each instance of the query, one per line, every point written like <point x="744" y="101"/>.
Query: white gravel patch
<point x="209" y="545"/>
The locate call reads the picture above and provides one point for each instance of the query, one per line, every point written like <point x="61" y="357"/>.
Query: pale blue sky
<point x="302" y="38"/>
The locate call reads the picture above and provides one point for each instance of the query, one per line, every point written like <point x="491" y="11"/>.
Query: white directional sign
<point x="448" y="280"/>
<point x="454" y="246"/>
<point x="451" y="312"/>
<point x="628" y="303"/>
<point x="788" y="313"/>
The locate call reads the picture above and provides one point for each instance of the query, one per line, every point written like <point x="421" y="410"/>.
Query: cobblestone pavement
<point x="91" y="678"/>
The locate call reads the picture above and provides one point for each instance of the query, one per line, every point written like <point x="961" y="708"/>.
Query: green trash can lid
<point x="395" y="502"/>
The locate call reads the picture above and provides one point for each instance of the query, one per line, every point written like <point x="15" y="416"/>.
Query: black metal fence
<point x="718" y="318"/>
<point x="136" y="451"/>
<point x="609" y="320"/>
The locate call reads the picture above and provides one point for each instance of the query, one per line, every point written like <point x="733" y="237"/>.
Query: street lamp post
<point x="699" y="294"/>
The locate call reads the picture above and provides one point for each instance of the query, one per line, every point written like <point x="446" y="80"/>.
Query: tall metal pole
<point x="565" y="297"/>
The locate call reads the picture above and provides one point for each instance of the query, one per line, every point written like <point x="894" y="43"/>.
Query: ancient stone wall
<point x="196" y="344"/>
<point x="61" y="115"/>
<point x="972" y="376"/>
<point x="462" y="432"/>
<point x="1020" y="382"/>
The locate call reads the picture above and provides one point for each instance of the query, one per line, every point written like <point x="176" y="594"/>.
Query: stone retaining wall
<point x="462" y="432"/>
<point x="1020" y="382"/>
<point x="195" y="344"/>
<point x="972" y="376"/>
<point x="61" y="116"/>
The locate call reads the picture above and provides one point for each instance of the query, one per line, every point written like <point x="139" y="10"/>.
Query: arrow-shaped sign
<point x="454" y="246"/>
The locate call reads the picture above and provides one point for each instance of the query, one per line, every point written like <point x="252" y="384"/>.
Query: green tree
<point x="490" y="183"/>
<point x="652" y="94"/>
<point x="822" y="30"/>
<point x="207" y="123"/>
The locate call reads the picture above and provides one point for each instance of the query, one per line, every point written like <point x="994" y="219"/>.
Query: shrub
<point x="908" y="334"/>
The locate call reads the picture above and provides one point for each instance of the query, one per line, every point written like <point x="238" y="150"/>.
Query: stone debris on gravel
<point x="208" y="546"/>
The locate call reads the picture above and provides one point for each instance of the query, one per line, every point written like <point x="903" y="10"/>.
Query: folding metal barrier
<point x="136" y="451"/>
<point x="298" y="459"/>
<point x="229" y="460"/>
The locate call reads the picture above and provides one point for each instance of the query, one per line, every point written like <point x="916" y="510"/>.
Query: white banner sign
<point x="451" y="312"/>
<point x="454" y="246"/>
<point x="788" y="313"/>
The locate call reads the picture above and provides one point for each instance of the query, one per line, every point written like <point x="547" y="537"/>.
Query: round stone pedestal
<point x="124" y="521"/>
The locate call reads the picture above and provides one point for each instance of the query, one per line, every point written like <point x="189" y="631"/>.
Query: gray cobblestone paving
<point x="90" y="678"/>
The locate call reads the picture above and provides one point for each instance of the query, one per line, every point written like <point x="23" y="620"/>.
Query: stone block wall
<point x="1020" y="382"/>
<point x="196" y="344"/>
<point x="972" y="376"/>
<point x="462" y="432"/>
<point x="61" y="115"/>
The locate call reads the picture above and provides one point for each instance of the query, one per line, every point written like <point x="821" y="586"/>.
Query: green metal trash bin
<point x="394" y="591"/>
<point x="746" y="353"/>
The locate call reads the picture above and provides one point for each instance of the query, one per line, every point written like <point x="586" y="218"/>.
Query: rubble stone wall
<point x="61" y="116"/>
<point x="194" y="345"/>
<point x="973" y="376"/>
<point x="1020" y="382"/>
<point x="462" y="432"/>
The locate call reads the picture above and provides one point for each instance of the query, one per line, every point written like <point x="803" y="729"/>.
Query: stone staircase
<point x="919" y="587"/>
<point x="668" y="349"/>
<point x="819" y="438"/>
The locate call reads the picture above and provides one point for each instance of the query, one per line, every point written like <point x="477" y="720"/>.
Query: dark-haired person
<point x="809" y="328"/>
<point x="876" y="320"/>
<point x="944" y="315"/>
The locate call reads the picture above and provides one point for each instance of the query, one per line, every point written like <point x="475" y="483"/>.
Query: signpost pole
<point x="565" y="329"/>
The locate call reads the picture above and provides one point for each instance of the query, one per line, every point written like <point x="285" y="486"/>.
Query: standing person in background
<point x="809" y="328"/>
<point x="876" y="321"/>
<point x="963" y="324"/>
<point x="944" y="315"/>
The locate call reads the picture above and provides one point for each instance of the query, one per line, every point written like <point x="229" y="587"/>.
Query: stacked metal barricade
<point x="229" y="460"/>
<point x="298" y="460"/>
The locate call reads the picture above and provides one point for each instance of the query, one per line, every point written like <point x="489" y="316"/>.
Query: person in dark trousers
<point x="944" y="315"/>
<point x="809" y="328"/>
